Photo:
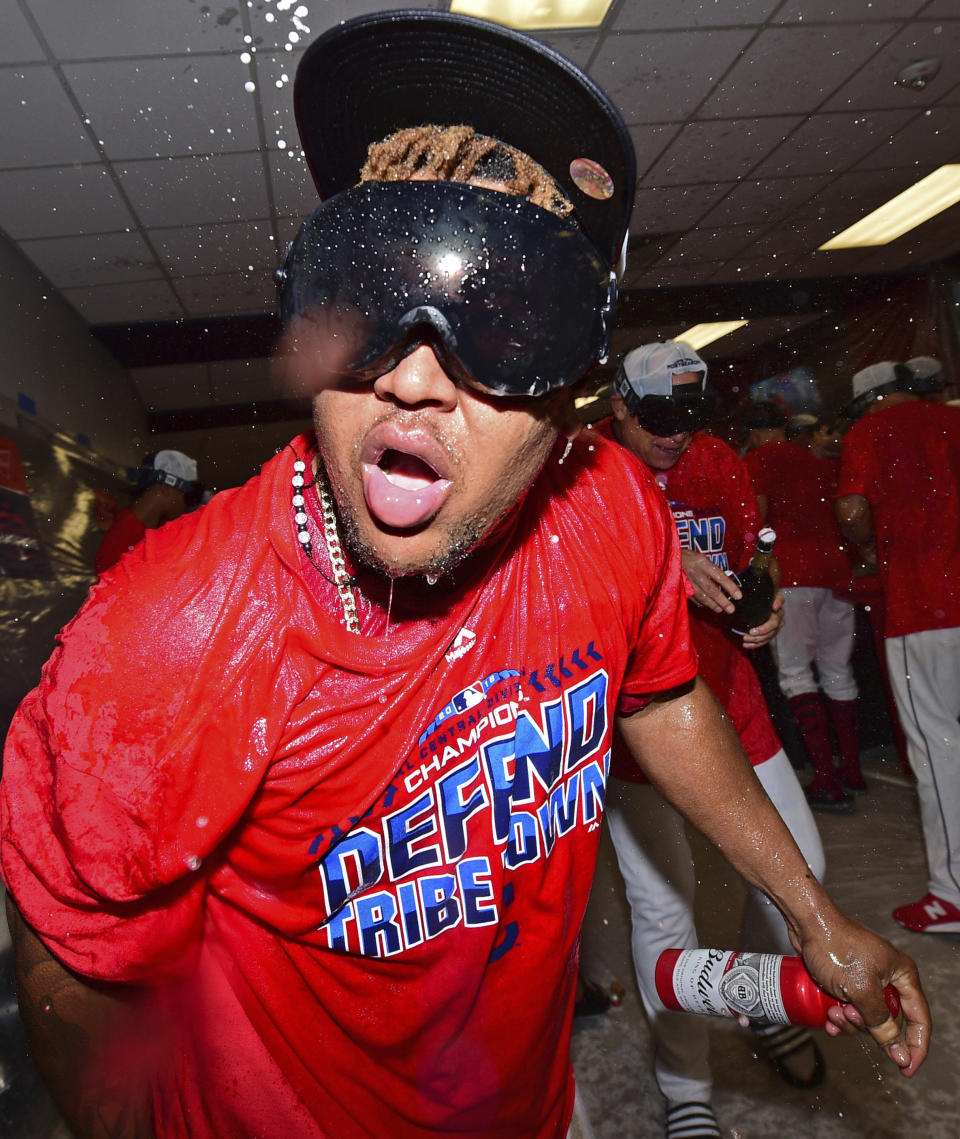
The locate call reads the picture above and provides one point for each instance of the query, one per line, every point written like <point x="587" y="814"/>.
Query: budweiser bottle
<point x="761" y="986"/>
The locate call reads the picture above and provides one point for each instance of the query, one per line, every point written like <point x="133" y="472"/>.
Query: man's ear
<point x="618" y="407"/>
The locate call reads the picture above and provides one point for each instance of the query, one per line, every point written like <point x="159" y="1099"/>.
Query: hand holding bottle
<point x="757" y="591"/>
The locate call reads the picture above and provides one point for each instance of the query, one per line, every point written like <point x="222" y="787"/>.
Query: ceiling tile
<point x="691" y="14"/>
<point x="668" y="209"/>
<point x="191" y="251"/>
<point x="875" y="85"/>
<point x="711" y="244"/>
<point x="930" y="138"/>
<point x="154" y="108"/>
<point x="173" y="388"/>
<point x="294" y="194"/>
<point x="97" y="259"/>
<point x="650" y="141"/>
<point x="578" y="46"/>
<point x="763" y="202"/>
<point x="241" y="381"/>
<point x="831" y="143"/>
<point x="667" y="276"/>
<point x="791" y="70"/>
<point x="125" y="303"/>
<point x="189" y="191"/>
<point x="725" y="150"/>
<point x="18" y="44"/>
<point x="136" y="27"/>
<point x="227" y="294"/>
<point x="53" y="201"/>
<point x="276" y="97"/>
<point x="40" y="124"/>
<point x="827" y="11"/>
<point x="662" y="77"/>
<point x="849" y="197"/>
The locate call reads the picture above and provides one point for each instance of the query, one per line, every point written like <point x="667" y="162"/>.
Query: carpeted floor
<point x="874" y="862"/>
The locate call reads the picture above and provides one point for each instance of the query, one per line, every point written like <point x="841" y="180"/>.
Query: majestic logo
<point x="463" y="642"/>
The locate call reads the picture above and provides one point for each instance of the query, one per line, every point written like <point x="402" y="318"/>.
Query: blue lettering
<point x="587" y="709"/>
<point x="379" y="933"/>
<point x="359" y="851"/>
<point x="476" y="890"/>
<point x="593" y="783"/>
<point x="441" y="910"/>
<point x="455" y="810"/>
<point x="523" y="844"/>
<point x="402" y="833"/>
<point x="559" y="813"/>
<point x="409" y="913"/>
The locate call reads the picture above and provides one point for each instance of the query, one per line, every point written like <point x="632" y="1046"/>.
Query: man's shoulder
<point x="708" y="450"/>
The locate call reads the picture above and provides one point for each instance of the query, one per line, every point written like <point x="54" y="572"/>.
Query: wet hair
<point x="460" y="154"/>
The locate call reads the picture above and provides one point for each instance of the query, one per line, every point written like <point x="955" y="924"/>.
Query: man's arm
<point x="690" y="751"/>
<point x="88" y="1041"/>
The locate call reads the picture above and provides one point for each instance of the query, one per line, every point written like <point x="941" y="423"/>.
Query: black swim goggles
<point x="687" y="408"/>
<point x="514" y="300"/>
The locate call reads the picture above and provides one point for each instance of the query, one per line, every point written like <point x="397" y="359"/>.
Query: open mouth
<point x="402" y="489"/>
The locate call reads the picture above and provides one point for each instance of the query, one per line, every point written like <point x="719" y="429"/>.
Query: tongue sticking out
<point x="402" y="491"/>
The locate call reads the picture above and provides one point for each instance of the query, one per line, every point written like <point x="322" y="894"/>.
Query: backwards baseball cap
<point x="644" y="382"/>
<point x="873" y="383"/>
<point x="926" y="375"/>
<point x="173" y="468"/>
<point x="368" y="77"/>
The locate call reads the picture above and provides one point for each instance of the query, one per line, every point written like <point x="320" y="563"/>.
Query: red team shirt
<point x="799" y="488"/>
<point x="905" y="460"/>
<point x="350" y="870"/>
<point x="125" y="532"/>
<point x="715" y="510"/>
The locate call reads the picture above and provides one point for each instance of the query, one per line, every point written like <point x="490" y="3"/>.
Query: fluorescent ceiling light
<point x="702" y="334"/>
<point x="922" y="201"/>
<point x="531" y="15"/>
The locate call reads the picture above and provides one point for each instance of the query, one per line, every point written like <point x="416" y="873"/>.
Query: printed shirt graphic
<point x="375" y="851"/>
<point x="905" y="460"/>
<point x="715" y="511"/>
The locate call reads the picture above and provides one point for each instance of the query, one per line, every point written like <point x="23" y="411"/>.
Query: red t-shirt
<point x="799" y="488"/>
<point x="351" y="870"/>
<point x="905" y="460"/>
<point x="125" y="532"/>
<point x="715" y="510"/>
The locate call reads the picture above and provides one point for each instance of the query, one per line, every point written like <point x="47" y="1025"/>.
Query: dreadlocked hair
<point x="459" y="154"/>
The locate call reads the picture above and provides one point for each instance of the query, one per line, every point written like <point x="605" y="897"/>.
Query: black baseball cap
<point x="371" y="76"/>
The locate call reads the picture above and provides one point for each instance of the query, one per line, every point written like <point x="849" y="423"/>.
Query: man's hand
<point x="691" y="753"/>
<point x="764" y="634"/>
<point x="712" y="588"/>
<point x="855" y="966"/>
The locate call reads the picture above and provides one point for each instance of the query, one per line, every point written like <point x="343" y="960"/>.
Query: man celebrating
<point x="899" y="500"/>
<point x="323" y="875"/>
<point x="659" y="403"/>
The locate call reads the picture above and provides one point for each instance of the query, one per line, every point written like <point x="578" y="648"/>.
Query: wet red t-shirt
<point x="799" y="488"/>
<point x="350" y="870"/>
<point x="905" y="460"/>
<point x="125" y="532"/>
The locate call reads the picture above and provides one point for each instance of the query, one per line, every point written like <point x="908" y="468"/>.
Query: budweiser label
<point x="725" y="983"/>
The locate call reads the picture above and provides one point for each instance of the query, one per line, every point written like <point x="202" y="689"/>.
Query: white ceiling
<point x="143" y="179"/>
